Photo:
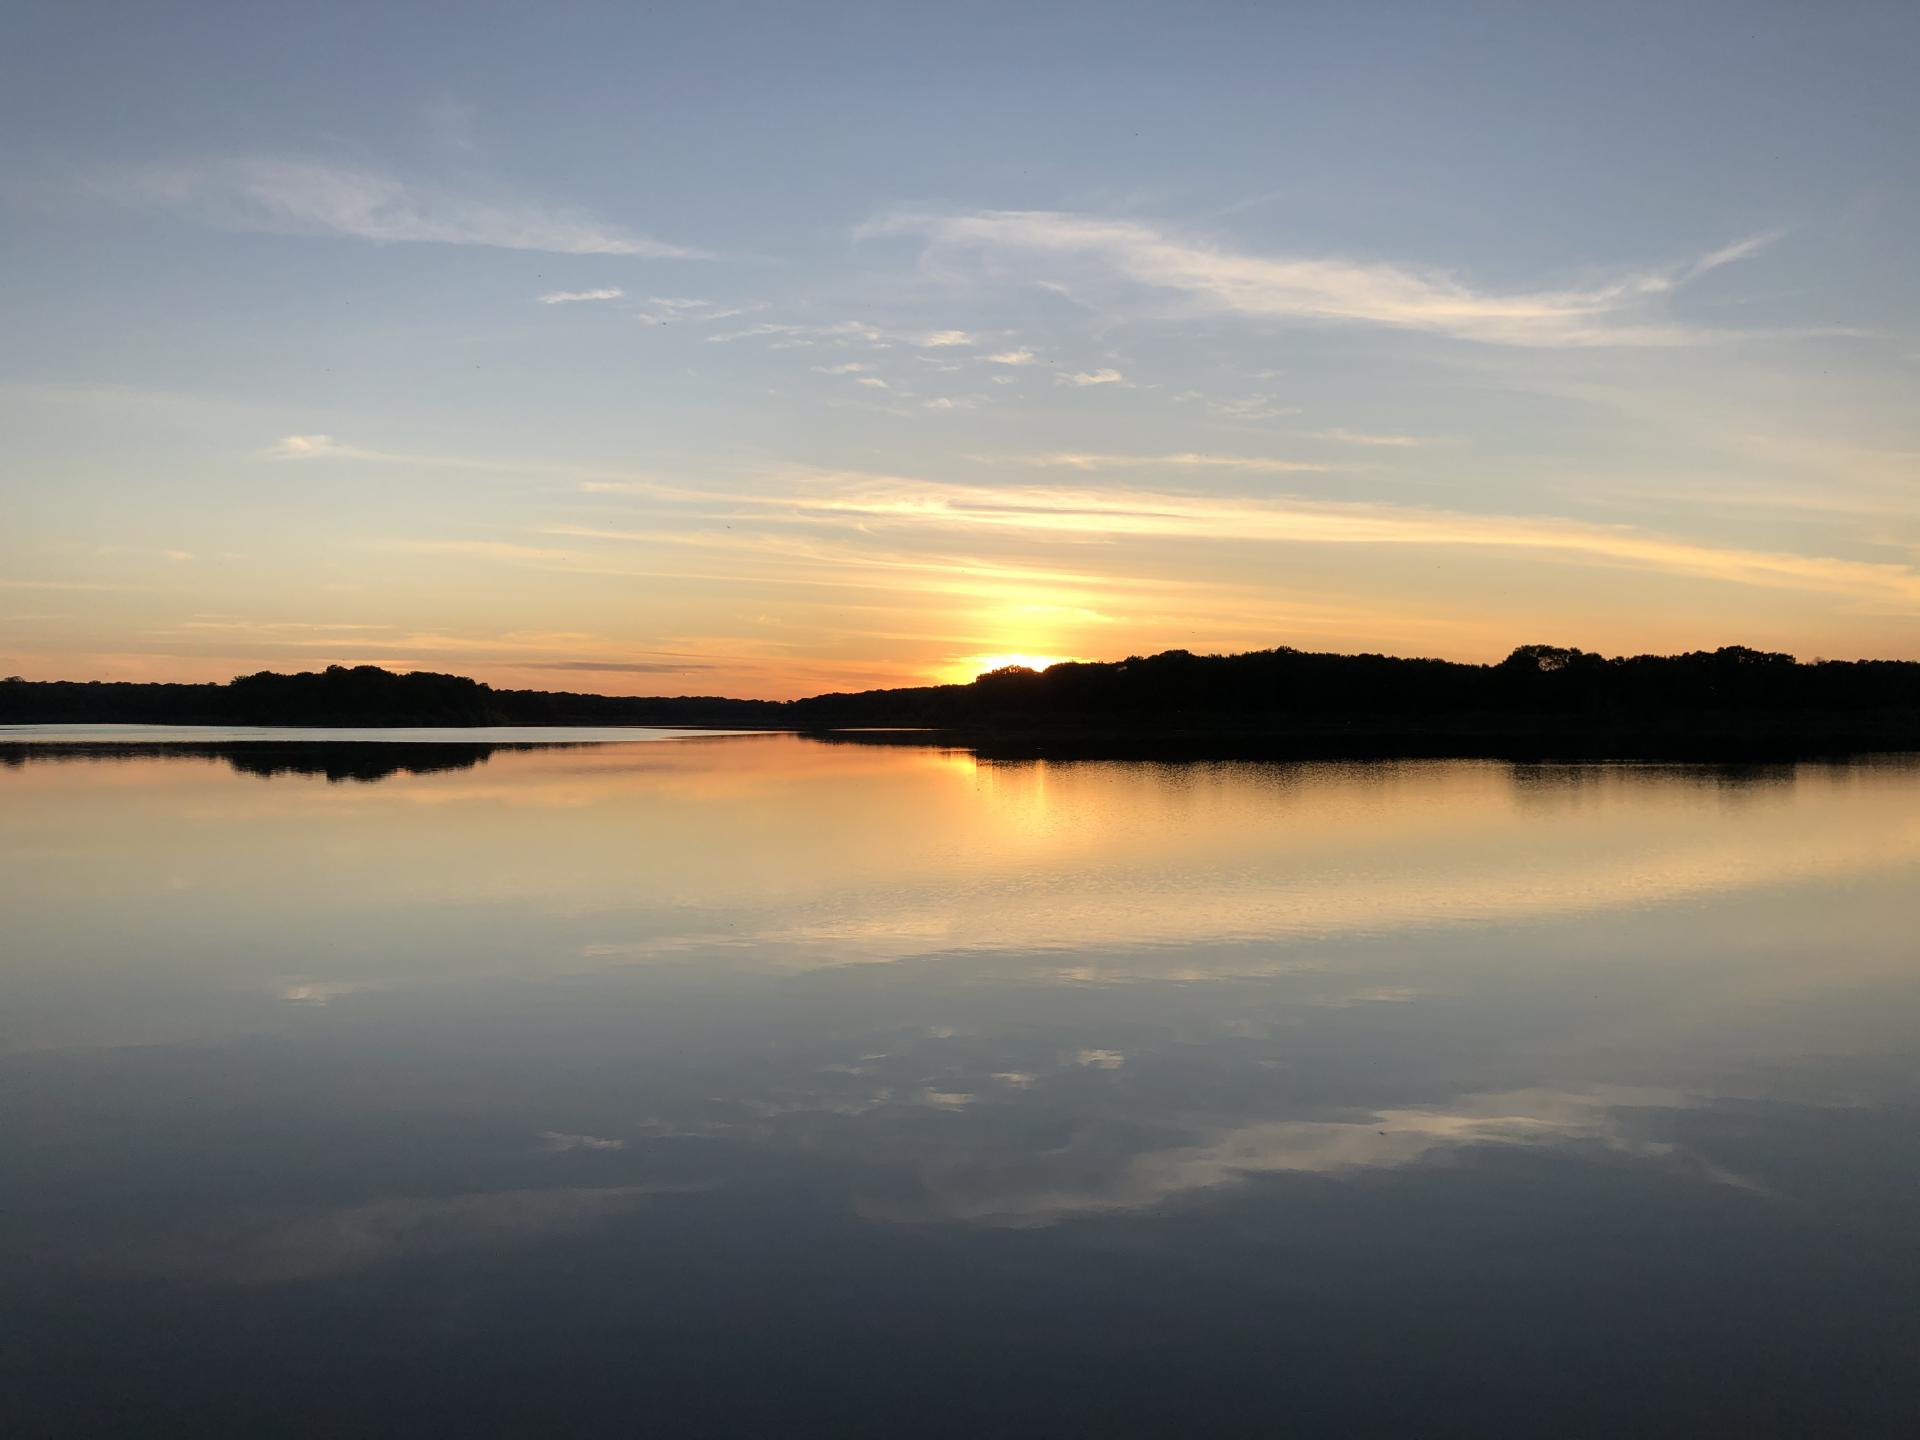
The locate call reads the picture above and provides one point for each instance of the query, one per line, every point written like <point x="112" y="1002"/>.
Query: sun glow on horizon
<point x="967" y="667"/>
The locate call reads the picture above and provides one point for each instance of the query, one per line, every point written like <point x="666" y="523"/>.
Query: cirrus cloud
<point x="295" y="196"/>
<point x="1218" y="278"/>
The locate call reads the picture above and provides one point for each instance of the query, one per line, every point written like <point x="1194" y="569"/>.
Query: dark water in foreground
<point x="753" y="1086"/>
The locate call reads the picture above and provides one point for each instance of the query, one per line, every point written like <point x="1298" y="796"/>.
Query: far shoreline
<point x="1542" y="702"/>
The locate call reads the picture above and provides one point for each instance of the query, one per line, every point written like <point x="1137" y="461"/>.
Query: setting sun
<point x="967" y="667"/>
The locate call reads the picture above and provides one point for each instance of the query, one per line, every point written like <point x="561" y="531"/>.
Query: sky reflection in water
<point x="753" y="1082"/>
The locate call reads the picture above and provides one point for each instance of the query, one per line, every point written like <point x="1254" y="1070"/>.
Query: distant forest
<point x="1540" y="697"/>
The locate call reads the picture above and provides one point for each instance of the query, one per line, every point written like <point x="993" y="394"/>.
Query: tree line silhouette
<point x="1729" y="697"/>
<point x="359" y="695"/>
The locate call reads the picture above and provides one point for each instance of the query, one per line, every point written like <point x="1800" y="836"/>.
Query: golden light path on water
<point x="772" y="853"/>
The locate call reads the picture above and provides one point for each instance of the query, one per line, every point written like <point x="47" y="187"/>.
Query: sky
<point x="774" y="349"/>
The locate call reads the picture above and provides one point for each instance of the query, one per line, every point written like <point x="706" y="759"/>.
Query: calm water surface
<point x="760" y="1086"/>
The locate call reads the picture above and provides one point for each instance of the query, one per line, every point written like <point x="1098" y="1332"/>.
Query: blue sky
<point x="766" y="349"/>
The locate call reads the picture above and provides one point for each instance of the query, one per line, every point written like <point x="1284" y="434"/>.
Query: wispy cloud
<point x="300" y="450"/>
<point x="292" y="196"/>
<point x="868" y="505"/>
<point x="169" y="553"/>
<point x="1022" y="356"/>
<point x="663" y="310"/>
<point x="1217" y="277"/>
<point x="309" y="447"/>
<point x="1187" y="460"/>
<point x="575" y="297"/>
<point x="1363" y="437"/>
<point x="842" y="332"/>
<point x="560" y="1140"/>
<point x="1245" y="407"/>
<point x="523" y="649"/>
<point x="480" y="549"/>
<point x="325" y="447"/>
<point x="279" y="627"/>
<point x="1087" y="514"/>
<point x="1094" y="377"/>
<point x="620" y="667"/>
<point x="793" y="332"/>
<point x="1729" y="254"/>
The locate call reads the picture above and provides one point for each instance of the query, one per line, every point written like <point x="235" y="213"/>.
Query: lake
<point x="757" y="1085"/>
